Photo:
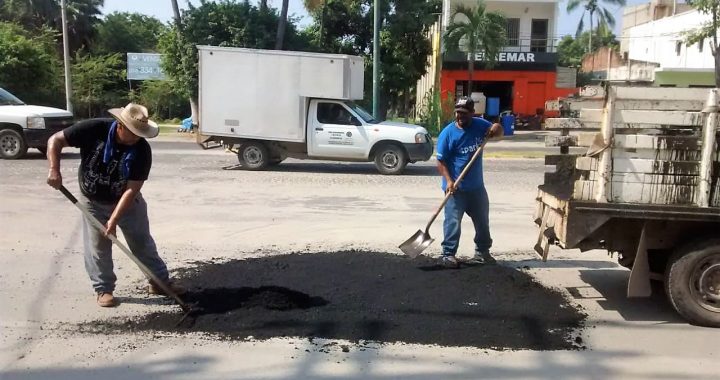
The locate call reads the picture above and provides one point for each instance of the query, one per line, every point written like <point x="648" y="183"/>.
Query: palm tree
<point x="314" y="7"/>
<point x="482" y="32"/>
<point x="591" y="8"/>
<point x="282" y="23"/>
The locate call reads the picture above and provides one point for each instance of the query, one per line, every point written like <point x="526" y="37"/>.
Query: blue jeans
<point x="135" y="227"/>
<point x="474" y="203"/>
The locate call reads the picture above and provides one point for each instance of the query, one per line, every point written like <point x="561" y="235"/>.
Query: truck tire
<point x="12" y="144"/>
<point x="692" y="282"/>
<point x="390" y="159"/>
<point x="253" y="155"/>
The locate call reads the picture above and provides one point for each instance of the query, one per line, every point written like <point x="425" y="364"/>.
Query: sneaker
<point x="156" y="290"/>
<point x="449" y="261"/>
<point x="483" y="258"/>
<point x="106" y="299"/>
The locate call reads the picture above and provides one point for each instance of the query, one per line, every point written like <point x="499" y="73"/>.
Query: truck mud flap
<point x="207" y="142"/>
<point x="547" y="234"/>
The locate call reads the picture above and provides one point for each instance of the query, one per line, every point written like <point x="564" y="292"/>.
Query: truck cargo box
<point x="263" y="94"/>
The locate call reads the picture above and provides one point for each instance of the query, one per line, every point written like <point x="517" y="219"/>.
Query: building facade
<point x="525" y="74"/>
<point x="657" y="41"/>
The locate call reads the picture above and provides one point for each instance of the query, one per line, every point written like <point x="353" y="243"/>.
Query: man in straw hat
<point x="115" y="162"/>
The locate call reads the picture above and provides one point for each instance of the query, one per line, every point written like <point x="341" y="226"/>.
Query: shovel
<point x="420" y="240"/>
<point x="186" y="308"/>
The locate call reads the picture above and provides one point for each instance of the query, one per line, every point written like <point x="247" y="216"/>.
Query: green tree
<point x="222" y="23"/>
<point x="82" y="16"/>
<point x="707" y="30"/>
<point x="162" y="100"/>
<point x="346" y="26"/>
<point x="29" y="66"/>
<point x="127" y="32"/>
<point x="592" y="8"/>
<point x="476" y="31"/>
<point x="572" y="50"/>
<point x="98" y="82"/>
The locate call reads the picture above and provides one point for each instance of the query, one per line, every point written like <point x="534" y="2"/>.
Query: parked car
<point x="24" y="126"/>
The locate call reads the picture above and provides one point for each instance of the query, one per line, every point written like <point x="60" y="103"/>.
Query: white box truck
<point x="271" y="105"/>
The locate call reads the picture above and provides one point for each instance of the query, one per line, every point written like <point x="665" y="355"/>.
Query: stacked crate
<point x="648" y="146"/>
<point x="651" y="149"/>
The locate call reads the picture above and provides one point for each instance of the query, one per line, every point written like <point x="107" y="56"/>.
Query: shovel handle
<point x="147" y="272"/>
<point x="457" y="181"/>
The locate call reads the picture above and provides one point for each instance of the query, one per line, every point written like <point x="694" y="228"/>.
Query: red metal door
<point x="535" y="97"/>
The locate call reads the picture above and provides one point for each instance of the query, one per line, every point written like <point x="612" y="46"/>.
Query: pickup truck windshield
<point x="8" y="99"/>
<point x="362" y="113"/>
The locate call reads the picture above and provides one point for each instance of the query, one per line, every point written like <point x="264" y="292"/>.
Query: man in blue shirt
<point x="456" y="145"/>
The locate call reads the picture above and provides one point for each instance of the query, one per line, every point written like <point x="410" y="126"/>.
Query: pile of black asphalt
<point x="364" y="296"/>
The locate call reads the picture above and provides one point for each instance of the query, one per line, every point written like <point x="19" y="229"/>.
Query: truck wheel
<point x="12" y="144"/>
<point x="692" y="282"/>
<point x="390" y="159"/>
<point x="253" y="156"/>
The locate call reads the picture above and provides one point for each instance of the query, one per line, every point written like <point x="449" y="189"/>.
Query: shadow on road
<point x="345" y="168"/>
<point x="609" y="287"/>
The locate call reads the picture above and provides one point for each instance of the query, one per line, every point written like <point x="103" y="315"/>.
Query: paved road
<point x="200" y="211"/>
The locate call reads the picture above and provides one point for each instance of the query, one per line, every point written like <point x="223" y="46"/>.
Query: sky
<point x="162" y="9"/>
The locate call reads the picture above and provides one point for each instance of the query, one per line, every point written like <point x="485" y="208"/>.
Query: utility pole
<point x="66" y="58"/>
<point x="376" y="60"/>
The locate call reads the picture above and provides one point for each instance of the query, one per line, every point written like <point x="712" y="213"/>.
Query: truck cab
<point x="340" y="129"/>
<point x="24" y="126"/>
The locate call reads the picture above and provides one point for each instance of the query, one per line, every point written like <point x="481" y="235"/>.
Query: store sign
<point x="507" y="57"/>
<point x="510" y="57"/>
<point x="144" y="66"/>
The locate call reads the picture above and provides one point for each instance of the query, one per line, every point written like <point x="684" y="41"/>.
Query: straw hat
<point x="135" y="117"/>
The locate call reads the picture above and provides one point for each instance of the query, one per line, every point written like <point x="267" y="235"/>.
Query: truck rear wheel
<point x="12" y="144"/>
<point x="253" y="156"/>
<point x="692" y="282"/>
<point x="390" y="159"/>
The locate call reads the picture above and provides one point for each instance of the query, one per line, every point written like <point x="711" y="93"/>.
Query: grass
<point x="170" y="130"/>
<point x="514" y="154"/>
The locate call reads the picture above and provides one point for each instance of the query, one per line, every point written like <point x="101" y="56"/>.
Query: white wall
<point x="525" y="10"/>
<point x="656" y="42"/>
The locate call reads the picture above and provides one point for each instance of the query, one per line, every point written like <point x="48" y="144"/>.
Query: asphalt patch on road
<point x="370" y="297"/>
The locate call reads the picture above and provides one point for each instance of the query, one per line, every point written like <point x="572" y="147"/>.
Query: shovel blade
<point x="416" y="244"/>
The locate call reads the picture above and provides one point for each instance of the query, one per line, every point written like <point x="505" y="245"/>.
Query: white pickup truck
<point x="277" y="104"/>
<point x="24" y="126"/>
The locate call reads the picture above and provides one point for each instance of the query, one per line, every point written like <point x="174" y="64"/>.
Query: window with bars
<point x="513" y="32"/>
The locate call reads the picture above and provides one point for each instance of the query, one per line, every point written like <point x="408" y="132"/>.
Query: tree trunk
<point x="717" y="68"/>
<point x="591" y="33"/>
<point x="406" y="106"/>
<point x="590" y="45"/>
<point x="176" y="13"/>
<point x="194" y="114"/>
<point x="281" y="26"/>
<point x="263" y="5"/>
<point x="471" y="69"/>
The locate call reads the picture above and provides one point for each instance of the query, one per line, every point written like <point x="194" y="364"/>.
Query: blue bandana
<point x="127" y="158"/>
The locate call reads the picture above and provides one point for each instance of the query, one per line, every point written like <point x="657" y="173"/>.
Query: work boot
<point x="483" y="257"/>
<point x="106" y="299"/>
<point x="448" y="261"/>
<point x="156" y="290"/>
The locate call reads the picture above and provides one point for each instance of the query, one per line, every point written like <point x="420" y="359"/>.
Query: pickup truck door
<point x="335" y="131"/>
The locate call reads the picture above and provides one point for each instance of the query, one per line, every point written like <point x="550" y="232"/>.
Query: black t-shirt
<point x="100" y="181"/>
